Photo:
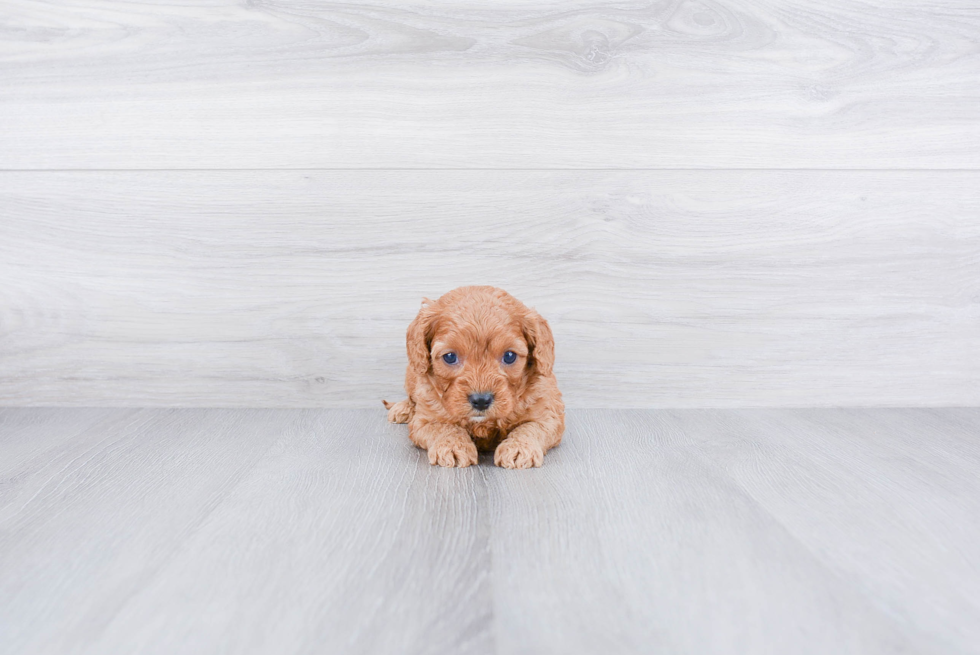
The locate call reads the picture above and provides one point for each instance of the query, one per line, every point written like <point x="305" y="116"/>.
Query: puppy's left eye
<point x="510" y="357"/>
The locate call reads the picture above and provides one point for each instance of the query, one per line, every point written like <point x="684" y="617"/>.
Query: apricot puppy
<point x="480" y="378"/>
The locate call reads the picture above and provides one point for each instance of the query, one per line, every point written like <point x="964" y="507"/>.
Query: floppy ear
<point x="418" y="336"/>
<point x="540" y="342"/>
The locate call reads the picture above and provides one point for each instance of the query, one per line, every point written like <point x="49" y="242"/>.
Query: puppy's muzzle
<point x="481" y="401"/>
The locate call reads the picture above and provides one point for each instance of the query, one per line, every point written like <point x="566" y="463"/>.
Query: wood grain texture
<point x="298" y="531"/>
<point x="629" y="541"/>
<point x="894" y="465"/>
<point x="240" y="531"/>
<point x="664" y="288"/>
<point x="672" y="83"/>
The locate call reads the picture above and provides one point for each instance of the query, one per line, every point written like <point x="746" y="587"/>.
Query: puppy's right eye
<point x="450" y="358"/>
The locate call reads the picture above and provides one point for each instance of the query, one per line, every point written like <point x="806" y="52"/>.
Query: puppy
<point x="480" y="378"/>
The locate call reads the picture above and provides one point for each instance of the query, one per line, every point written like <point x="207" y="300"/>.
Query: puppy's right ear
<point x="540" y="342"/>
<point x="418" y="338"/>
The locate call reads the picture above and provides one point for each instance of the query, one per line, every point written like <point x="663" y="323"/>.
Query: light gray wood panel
<point x="682" y="531"/>
<point x="726" y="83"/>
<point x="88" y="524"/>
<point x="344" y="539"/>
<point x="244" y="531"/>
<point x="626" y="541"/>
<point x="844" y="482"/>
<point x="39" y="436"/>
<point x="667" y="288"/>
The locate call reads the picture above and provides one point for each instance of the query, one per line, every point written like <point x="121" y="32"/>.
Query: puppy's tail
<point x="400" y="412"/>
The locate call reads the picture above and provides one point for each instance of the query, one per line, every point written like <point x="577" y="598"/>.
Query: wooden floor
<point x="325" y="531"/>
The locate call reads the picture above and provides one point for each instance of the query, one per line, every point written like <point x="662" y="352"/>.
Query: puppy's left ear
<point x="540" y="342"/>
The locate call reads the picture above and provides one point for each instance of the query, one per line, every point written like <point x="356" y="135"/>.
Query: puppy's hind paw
<point x="518" y="454"/>
<point x="400" y="412"/>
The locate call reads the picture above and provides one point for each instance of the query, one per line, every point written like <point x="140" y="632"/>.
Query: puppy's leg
<point x="448" y="445"/>
<point x="526" y="444"/>
<point x="400" y="412"/>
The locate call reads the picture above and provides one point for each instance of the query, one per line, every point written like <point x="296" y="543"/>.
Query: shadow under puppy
<point x="480" y="377"/>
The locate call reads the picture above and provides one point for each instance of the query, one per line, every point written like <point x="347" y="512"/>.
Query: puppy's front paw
<point x="453" y="452"/>
<point x="518" y="454"/>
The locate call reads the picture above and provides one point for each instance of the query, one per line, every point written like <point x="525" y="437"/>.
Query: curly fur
<point x="480" y="324"/>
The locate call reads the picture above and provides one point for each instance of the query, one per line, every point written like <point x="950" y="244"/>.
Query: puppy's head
<point x="481" y="348"/>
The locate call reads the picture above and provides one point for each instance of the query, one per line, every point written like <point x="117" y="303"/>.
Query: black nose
<point x="481" y="401"/>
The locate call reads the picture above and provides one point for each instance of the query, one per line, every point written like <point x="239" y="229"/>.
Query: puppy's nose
<point x="480" y="401"/>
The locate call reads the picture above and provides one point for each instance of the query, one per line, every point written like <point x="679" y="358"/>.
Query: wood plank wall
<point x="725" y="204"/>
